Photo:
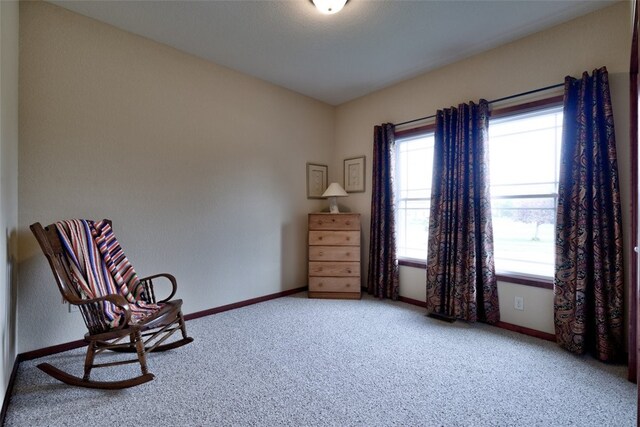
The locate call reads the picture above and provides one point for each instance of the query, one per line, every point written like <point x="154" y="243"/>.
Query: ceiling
<point x="334" y="58"/>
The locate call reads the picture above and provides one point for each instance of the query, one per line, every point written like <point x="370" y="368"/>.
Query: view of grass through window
<point x="524" y="161"/>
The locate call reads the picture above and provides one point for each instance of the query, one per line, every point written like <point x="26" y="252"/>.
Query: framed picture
<point x="316" y="180"/>
<point x="354" y="175"/>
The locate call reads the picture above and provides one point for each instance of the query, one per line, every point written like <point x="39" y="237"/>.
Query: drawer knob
<point x="349" y="270"/>
<point x="321" y="253"/>
<point x="348" y="285"/>
<point x="320" y="284"/>
<point x="320" y="238"/>
<point x="348" y="238"/>
<point x="348" y="253"/>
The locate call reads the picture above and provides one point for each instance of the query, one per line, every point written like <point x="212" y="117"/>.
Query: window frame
<point x="513" y="110"/>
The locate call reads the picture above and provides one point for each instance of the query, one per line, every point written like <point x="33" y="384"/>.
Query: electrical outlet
<point x="73" y="308"/>
<point x="518" y="303"/>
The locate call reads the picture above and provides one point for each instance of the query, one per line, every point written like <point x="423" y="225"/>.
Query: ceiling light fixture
<point x="329" y="7"/>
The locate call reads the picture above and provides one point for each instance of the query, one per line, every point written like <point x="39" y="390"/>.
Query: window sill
<point x="519" y="279"/>
<point x="410" y="262"/>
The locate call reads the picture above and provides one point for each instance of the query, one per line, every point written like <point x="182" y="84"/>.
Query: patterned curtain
<point x="383" y="264"/>
<point x="461" y="280"/>
<point x="589" y="289"/>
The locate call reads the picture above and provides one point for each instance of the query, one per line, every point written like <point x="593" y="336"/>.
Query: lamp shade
<point x="334" y="190"/>
<point x="329" y="7"/>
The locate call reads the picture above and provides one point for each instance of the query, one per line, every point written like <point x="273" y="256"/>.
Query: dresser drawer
<point x="334" y="253"/>
<point x="334" y="284"/>
<point x="334" y="221"/>
<point x="319" y="268"/>
<point x="337" y="238"/>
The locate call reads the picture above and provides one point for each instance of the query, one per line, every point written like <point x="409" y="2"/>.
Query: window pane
<point x="413" y="226"/>
<point x="414" y="167"/>
<point x="524" y="235"/>
<point x="524" y="162"/>
<point x="537" y="147"/>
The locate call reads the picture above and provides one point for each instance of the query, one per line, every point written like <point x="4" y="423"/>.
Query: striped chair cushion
<point x="99" y="267"/>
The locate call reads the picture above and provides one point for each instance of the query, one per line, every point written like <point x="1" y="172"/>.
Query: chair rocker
<point x="120" y="310"/>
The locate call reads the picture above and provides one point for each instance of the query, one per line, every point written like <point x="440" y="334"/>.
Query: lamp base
<point x="333" y="205"/>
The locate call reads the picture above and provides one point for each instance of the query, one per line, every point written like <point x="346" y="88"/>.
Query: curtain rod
<point x="506" y="98"/>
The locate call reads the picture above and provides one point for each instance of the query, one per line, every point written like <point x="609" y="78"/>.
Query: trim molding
<point x="525" y="280"/>
<point x="526" y="331"/>
<point x="9" y="391"/>
<point x="412" y="263"/>
<point x="420" y="130"/>
<point x="59" y="348"/>
<point x="412" y="301"/>
<point x="503" y="325"/>
<point x="528" y="106"/>
<point x="47" y="351"/>
<point x="634" y="93"/>
<point x="244" y="303"/>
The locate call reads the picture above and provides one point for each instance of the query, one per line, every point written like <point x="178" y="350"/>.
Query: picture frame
<point x="354" y="174"/>
<point x="317" y="176"/>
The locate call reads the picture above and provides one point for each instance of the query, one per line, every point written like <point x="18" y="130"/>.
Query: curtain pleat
<point x="589" y="284"/>
<point x="461" y="280"/>
<point x="383" y="279"/>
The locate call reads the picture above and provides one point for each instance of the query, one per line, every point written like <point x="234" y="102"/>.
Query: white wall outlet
<point x="73" y="308"/>
<point x="518" y="303"/>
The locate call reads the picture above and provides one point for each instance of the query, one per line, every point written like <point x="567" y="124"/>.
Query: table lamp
<point x="332" y="192"/>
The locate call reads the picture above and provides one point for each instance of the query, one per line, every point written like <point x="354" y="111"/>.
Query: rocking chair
<point x="120" y="311"/>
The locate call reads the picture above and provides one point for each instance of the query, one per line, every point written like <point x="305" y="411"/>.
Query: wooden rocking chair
<point x="142" y="324"/>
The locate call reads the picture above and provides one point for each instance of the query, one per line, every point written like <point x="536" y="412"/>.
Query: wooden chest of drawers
<point x="334" y="255"/>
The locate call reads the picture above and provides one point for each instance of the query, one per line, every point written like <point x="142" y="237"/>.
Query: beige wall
<point x="8" y="185"/>
<point x="543" y="59"/>
<point x="202" y="169"/>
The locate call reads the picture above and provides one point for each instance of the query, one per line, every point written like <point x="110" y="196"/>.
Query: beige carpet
<point x="301" y="362"/>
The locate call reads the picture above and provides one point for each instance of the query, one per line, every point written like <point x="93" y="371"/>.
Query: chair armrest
<point x="89" y="316"/>
<point x="147" y="282"/>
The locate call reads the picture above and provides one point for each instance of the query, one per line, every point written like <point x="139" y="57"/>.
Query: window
<point x="524" y="152"/>
<point x="414" y="164"/>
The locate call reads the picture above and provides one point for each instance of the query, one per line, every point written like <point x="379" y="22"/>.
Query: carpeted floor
<point x="300" y="362"/>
